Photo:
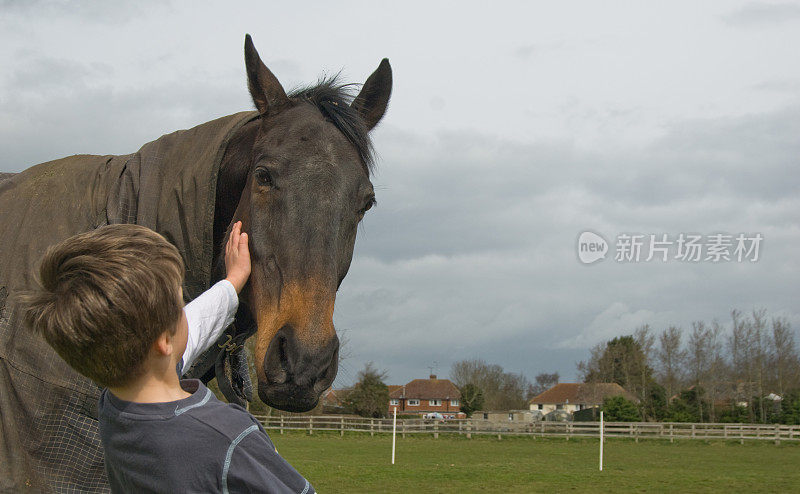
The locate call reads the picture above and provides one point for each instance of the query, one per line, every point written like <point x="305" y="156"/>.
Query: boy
<point x="110" y="303"/>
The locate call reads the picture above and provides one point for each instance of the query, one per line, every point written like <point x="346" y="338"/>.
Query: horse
<point x="296" y="172"/>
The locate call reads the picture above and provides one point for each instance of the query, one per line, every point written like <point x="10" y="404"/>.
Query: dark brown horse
<point x="296" y="173"/>
<point x="298" y="178"/>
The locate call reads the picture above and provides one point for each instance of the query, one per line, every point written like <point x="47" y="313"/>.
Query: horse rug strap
<point x="232" y="371"/>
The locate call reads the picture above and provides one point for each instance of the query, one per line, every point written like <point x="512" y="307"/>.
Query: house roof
<point x="335" y="397"/>
<point x="426" y="389"/>
<point x="585" y="393"/>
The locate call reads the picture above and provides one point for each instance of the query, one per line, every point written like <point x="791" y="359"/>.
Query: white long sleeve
<point x="208" y="315"/>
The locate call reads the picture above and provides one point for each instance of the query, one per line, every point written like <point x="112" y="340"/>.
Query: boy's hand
<point x="237" y="257"/>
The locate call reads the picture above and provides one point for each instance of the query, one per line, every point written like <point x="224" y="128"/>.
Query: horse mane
<point x="333" y="99"/>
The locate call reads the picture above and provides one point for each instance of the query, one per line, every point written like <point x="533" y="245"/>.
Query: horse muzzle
<point x="295" y="374"/>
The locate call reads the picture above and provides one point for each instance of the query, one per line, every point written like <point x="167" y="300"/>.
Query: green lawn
<point x="360" y="463"/>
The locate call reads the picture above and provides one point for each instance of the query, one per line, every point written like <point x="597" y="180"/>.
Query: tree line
<point x="486" y="386"/>
<point x="704" y="374"/>
<point x="483" y="386"/>
<point x="748" y="374"/>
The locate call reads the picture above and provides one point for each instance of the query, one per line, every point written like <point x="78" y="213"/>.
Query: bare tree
<point x="478" y="372"/>
<point x="501" y="390"/>
<point x="716" y="373"/>
<point x="345" y="351"/>
<point x="698" y="359"/>
<point x="513" y="391"/>
<point x="785" y="364"/>
<point x="544" y="381"/>
<point x="749" y="346"/>
<point x="739" y="351"/>
<point x="759" y="341"/>
<point x="671" y="358"/>
<point x="595" y="368"/>
<point x="645" y="341"/>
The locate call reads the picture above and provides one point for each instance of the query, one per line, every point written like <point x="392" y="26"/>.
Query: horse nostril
<point x="286" y="363"/>
<point x="276" y="361"/>
<point x="281" y="376"/>
<point x="283" y="356"/>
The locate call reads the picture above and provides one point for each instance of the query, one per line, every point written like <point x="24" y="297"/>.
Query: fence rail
<point x="470" y="427"/>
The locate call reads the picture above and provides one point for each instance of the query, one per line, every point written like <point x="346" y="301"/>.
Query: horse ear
<point x="371" y="102"/>
<point x="266" y="91"/>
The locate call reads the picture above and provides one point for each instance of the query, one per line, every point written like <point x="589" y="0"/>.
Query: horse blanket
<point x="49" y="439"/>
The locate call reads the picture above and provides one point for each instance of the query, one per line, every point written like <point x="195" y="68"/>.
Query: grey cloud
<point x="527" y="51"/>
<point x="787" y="86"/>
<point x="93" y="11"/>
<point x="47" y="119"/>
<point x="471" y="250"/>
<point x="458" y="193"/>
<point x="43" y="75"/>
<point x="510" y="306"/>
<point x="757" y="14"/>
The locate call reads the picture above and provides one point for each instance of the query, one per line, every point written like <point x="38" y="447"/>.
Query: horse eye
<point x="263" y="177"/>
<point x="370" y="202"/>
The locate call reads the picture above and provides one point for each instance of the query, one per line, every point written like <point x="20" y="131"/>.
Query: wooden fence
<point x="470" y="427"/>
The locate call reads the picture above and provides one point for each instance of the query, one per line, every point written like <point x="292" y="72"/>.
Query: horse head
<point x="305" y="189"/>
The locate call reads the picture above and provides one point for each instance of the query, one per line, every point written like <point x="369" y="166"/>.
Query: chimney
<point x="433" y="376"/>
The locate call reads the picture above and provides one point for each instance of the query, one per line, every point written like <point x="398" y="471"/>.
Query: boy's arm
<point x="207" y="316"/>
<point x="214" y="310"/>
<point x="255" y="466"/>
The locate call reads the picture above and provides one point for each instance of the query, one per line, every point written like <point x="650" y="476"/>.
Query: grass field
<point x="360" y="463"/>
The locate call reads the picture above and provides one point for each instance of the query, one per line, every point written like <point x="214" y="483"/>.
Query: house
<point x="422" y="396"/>
<point x="572" y="397"/>
<point x="333" y="400"/>
<point x="503" y="416"/>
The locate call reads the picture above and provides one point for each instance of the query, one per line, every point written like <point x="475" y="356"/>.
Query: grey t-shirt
<point x="197" y="444"/>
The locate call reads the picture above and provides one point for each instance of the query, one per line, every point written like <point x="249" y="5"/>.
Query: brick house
<point x="333" y="400"/>
<point x="572" y="397"/>
<point x="422" y="396"/>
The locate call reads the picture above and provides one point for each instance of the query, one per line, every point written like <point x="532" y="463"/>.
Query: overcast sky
<point x="511" y="130"/>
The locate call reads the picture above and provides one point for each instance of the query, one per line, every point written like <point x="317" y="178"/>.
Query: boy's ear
<point x="163" y="345"/>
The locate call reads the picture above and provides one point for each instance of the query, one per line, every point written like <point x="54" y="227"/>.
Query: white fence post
<point x="394" y="432"/>
<point x="601" y="440"/>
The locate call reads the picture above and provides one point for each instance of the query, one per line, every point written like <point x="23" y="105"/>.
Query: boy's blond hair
<point x="104" y="297"/>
